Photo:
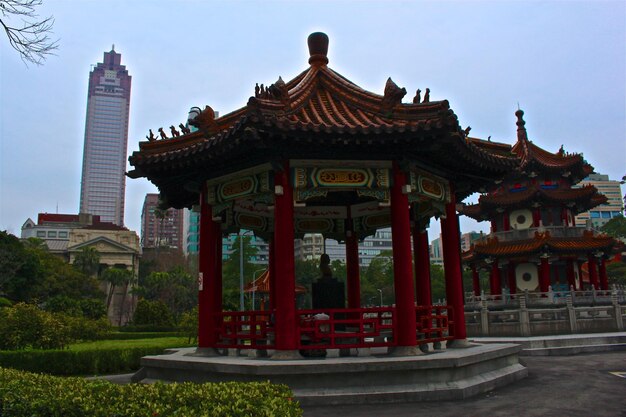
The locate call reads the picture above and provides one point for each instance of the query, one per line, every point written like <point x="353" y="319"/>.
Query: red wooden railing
<point x="331" y="328"/>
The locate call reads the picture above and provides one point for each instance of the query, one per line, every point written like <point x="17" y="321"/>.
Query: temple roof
<point x="533" y="158"/>
<point x="580" y="199"/>
<point x="541" y="242"/>
<point x="319" y="114"/>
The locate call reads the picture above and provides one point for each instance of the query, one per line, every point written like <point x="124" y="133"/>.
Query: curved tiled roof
<point x="318" y="106"/>
<point x="532" y="157"/>
<point x="584" y="198"/>
<point x="541" y="242"/>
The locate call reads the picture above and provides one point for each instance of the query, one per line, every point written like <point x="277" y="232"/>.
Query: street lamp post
<point x="381" y="296"/>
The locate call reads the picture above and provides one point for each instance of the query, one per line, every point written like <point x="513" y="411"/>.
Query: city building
<point x="614" y="206"/>
<point x="66" y="235"/>
<point x="161" y="228"/>
<point x="534" y="243"/>
<point x="436" y="246"/>
<point x="191" y="229"/>
<point x="103" y="181"/>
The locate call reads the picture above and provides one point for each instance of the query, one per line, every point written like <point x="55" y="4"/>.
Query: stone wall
<point x="528" y="316"/>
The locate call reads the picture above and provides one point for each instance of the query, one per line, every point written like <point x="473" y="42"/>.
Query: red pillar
<point x="571" y="276"/>
<point x="422" y="266"/>
<point x="581" y="284"/>
<point x="544" y="275"/>
<point x="452" y="267"/>
<point x="495" y="283"/>
<point x="272" y="269"/>
<point x="564" y="216"/>
<point x="402" y="262"/>
<point x="494" y="227"/>
<point x="475" y="280"/>
<point x="593" y="272"/>
<point x="536" y="217"/>
<point x="512" y="280"/>
<point x="352" y="271"/>
<point x="604" y="281"/>
<point x="210" y="283"/>
<point x="506" y="224"/>
<point x="218" y="289"/>
<point x="284" y="267"/>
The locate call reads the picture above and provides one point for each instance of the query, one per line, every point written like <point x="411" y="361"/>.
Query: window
<point x="52" y="234"/>
<point x="41" y="233"/>
<point x="594" y="214"/>
<point x="63" y="234"/>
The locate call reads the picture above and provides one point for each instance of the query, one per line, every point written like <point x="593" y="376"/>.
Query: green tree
<point x="616" y="227"/>
<point x="115" y="278"/>
<point x="88" y="261"/>
<point x="177" y="289"/>
<point x="377" y="278"/>
<point x="153" y="313"/>
<point x="616" y="273"/>
<point x="231" y="268"/>
<point x="437" y="283"/>
<point x="19" y="268"/>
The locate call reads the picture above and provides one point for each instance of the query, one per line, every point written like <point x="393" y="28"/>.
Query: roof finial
<point x="113" y="47"/>
<point x="318" y="48"/>
<point x="521" y="130"/>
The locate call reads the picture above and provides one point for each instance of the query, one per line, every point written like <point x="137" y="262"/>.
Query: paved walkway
<point x="559" y="386"/>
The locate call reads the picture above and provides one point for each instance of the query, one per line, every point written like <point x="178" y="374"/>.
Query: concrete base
<point x="458" y="344"/>
<point x="443" y="375"/>
<point x="205" y="352"/>
<point x="397" y="351"/>
<point x="286" y="355"/>
<point x="562" y="345"/>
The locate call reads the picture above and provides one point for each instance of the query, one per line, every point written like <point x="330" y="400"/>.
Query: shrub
<point x="78" y="362"/>
<point x="154" y="313"/>
<point x="64" y="304"/>
<point x="128" y="335"/>
<point x="93" y="308"/>
<point x="86" y="329"/>
<point x="189" y="324"/>
<point x="24" y="325"/>
<point x="24" y="394"/>
<point x="131" y="328"/>
<point x="5" y="302"/>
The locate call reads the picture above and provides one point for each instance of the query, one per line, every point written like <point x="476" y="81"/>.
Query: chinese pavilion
<point x="318" y="154"/>
<point x="534" y="242"/>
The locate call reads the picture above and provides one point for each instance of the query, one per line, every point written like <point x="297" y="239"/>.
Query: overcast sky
<point x="564" y="62"/>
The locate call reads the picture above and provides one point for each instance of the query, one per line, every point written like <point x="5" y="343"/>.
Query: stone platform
<point x="562" y="345"/>
<point x="455" y="373"/>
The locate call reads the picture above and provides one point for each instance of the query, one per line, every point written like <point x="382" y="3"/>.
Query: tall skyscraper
<point x="103" y="183"/>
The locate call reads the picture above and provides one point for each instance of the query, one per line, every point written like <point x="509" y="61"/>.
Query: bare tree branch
<point x="31" y="40"/>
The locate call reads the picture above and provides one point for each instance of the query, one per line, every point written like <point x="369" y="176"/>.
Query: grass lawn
<point x="164" y="342"/>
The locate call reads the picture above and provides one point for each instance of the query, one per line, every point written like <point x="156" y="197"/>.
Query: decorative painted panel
<point x="235" y="186"/>
<point x="337" y="177"/>
<point x="429" y="186"/>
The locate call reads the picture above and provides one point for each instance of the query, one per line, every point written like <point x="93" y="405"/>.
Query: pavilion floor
<point x="447" y="374"/>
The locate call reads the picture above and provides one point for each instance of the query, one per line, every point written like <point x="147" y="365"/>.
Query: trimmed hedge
<point x="78" y="362"/>
<point x="147" y="328"/>
<point x="141" y="335"/>
<point x="24" y="395"/>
